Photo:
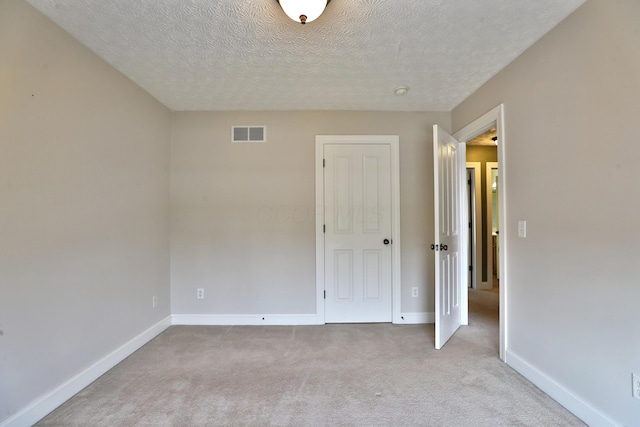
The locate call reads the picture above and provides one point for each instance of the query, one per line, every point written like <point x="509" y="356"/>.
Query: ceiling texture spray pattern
<point x="248" y="55"/>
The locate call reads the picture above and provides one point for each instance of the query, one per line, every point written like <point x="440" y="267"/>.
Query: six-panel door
<point x="357" y="191"/>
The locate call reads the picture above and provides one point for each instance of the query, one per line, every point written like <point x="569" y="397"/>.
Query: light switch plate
<point x="522" y="229"/>
<point x="636" y="386"/>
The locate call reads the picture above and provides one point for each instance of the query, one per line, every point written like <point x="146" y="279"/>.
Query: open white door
<point x="450" y="217"/>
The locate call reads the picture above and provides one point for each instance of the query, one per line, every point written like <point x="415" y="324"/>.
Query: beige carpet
<point x="332" y="375"/>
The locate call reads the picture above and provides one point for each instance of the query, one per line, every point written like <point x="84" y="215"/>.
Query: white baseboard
<point x="278" y="319"/>
<point x="581" y="409"/>
<point x="42" y="406"/>
<point x="416" y="318"/>
<point x="244" y="319"/>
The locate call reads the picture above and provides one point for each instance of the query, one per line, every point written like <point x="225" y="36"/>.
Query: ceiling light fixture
<point x="401" y="90"/>
<point x="303" y="11"/>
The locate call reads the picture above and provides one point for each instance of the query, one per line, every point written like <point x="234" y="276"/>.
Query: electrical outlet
<point x="636" y="385"/>
<point x="154" y="301"/>
<point x="200" y="293"/>
<point x="414" y="292"/>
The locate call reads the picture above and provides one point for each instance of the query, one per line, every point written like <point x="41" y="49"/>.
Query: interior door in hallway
<point x="450" y="218"/>
<point x="357" y="193"/>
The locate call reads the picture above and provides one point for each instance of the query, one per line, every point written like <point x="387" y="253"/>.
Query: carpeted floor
<point x="331" y="375"/>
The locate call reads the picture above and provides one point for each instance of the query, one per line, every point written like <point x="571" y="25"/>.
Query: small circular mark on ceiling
<point x="401" y="90"/>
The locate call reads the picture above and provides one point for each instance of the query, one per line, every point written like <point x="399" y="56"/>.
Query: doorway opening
<point x="490" y="125"/>
<point x="482" y="161"/>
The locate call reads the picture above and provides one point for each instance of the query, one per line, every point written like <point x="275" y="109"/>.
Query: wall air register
<point x="242" y="134"/>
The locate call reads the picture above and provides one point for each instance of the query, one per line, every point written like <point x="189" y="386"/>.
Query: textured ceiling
<point x="485" y="138"/>
<point x="248" y="55"/>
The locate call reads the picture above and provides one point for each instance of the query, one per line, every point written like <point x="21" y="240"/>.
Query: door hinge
<point x="324" y="228"/>
<point x="469" y="181"/>
<point x="469" y="225"/>
<point x="324" y="163"/>
<point x="325" y="294"/>
<point x="471" y="268"/>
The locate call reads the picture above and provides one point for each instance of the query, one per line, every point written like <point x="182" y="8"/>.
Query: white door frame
<point x="394" y="143"/>
<point x="495" y="117"/>
<point x="476" y="243"/>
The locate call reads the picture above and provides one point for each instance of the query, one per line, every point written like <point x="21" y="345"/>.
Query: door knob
<point x="386" y="241"/>
<point x="443" y="247"/>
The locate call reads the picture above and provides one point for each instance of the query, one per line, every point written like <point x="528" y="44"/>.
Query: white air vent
<point x="248" y="134"/>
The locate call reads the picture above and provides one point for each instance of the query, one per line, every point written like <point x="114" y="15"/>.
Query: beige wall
<point x="572" y="146"/>
<point x="84" y="220"/>
<point x="243" y="224"/>
<point x="84" y="178"/>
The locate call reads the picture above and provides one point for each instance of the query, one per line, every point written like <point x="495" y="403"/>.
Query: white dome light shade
<point x="303" y="11"/>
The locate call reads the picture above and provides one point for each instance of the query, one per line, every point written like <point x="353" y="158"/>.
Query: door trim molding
<point x="394" y="143"/>
<point x="482" y="124"/>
